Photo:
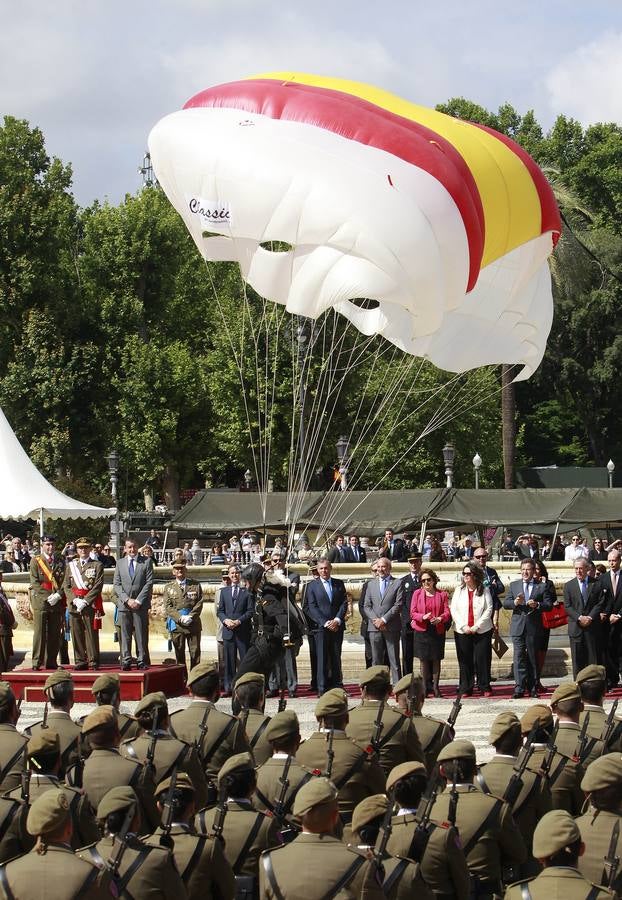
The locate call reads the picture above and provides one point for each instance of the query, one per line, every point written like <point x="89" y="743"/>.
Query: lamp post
<point x="477" y="464"/>
<point x="449" y="454"/>
<point x="248" y="477"/>
<point x="611" y="467"/>
<point x="342" y="456"/>
<point x="113" y="469"/>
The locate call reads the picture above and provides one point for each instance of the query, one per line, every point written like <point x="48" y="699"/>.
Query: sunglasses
<point x="426" y="579"/>
<point x="468" y="572"/>
<point x="481" y="555"/>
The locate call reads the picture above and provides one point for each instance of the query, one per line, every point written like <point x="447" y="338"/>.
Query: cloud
<point x="586" y="84"/>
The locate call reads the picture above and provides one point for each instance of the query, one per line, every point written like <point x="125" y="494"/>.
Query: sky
<point x="96" y="75"/>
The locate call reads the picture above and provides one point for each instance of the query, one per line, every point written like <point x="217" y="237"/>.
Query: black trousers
<point x="584" y="650"/>
<point x="472" y="652"/>
<point x="525" y="660"/>
<point x="408" y="641"/>
<point x="328" y="648"/>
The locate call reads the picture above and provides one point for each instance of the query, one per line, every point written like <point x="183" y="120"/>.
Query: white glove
<point x="79" y="604"/>
<point x="53" y="599"/>
<point x="185" y="620"/>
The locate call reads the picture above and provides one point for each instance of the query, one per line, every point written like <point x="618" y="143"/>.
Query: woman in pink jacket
<point x="429" y="618"/>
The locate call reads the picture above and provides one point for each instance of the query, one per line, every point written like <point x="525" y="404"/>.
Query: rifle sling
<point x="358" y="763"/>
<point x="426" y="831"/>
<point x="269" y="870"/>
<point x="132" y="869"/>
<point x="4" y="884"/>
<point x="479" y="831"/>
<point x="481" y="783"/>
<point x="392" y="879"/>
<point x="259" y="733"/>
<point x="211" y="751"/>
<point x="437" y="736"/>
<point x="248" y="843"/>
<point x="84" y="889"/>
<point x="8" y="819"/>
<point x="179" y="760"/>
<point x="5" y="771"/>
<point x="605" y="878"/>
<point x="378" y="745"/>
<point x="553" y="776"/>
<point x="346" y="878"/>
<point x="194" y="859"/>
<point x="534" y="787"/>
<point x="290" y="799"/>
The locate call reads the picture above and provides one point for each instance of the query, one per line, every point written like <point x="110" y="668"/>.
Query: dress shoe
<point x="534" y="693"/>
<point x="487" y="693"/>
<point x="292" y="694"/>
<point x="142" y="666"/>
<point x="437" y="692"/>
<point x="518" y="695"/>
<point x="80" y="667"/>
<point x="36" y="668"/>
<point x="94" y="667"/>
<point x="126" y="667"/>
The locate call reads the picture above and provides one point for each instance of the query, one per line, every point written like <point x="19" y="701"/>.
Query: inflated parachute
<point x="428" y="230"/>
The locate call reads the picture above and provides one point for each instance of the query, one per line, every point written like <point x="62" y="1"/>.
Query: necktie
<point x="583" y="592"/>
<point x="383" y="586"/>
<point x="131" y="568"/>
<point x="329" y="589"/>
<point x="527" y="590"/>
<point x="235" y="594"/>
<point x="614" y="582"/>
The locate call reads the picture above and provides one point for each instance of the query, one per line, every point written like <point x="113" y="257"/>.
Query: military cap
<point x="282" y="725"/>
<point x="538" y="713"/>
<point x="45" y="741"/>
<point x="182" y="783"/>
<point x="6" y="694"/>
<point x="48" y="537"/>
<point x="403" y="771"/>
<point x="48" y="812"/>
<point x="209" y="667"/>
<point x="402" y="685"/>
<point x="555" y="830"/>
<point x="179" y="564"/>
<point x="108" y="682"/>
<point x="240" y="762"/>
<point x="84" y="542"/>
<point x="376" y="675"/>
<point x="250" y="678"/>
<point x="567" y="691"/>
<point x="367" y="810"/>
<point x="414" y="557"/>
<point x="117" y="799"/>
<point x="591" y="672"/>
<point x="60" y="676"/>
<point x="457" y="750"/>
<point x="332" y="703"/>
<point x="503" y="723"/>
<point x="102" y="717"/>
<point x="313" y="570"/>
<point x="313" y="793"/>
<point x="149" y="702"/>
<point x="602" y="773"/>
<point x="224" y="572"/>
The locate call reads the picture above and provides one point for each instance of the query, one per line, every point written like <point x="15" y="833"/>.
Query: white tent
<point x="26" y="494"/>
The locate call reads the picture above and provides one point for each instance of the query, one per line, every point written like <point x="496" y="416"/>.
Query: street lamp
<point x="113" y="469"/>
<point x="477" y="464"/>
<point x="449" y="454"/>
<point x="611" y="467"/>
<point x="248" y="477"/>
<point x="343" y="446"/>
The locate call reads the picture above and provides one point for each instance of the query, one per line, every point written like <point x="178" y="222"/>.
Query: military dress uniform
<point x="269" y="786"/>
<point x="69" y="734"/>
<point x="169" y="753"/>
<point x="600" y="828"/>
<point x="46" y="579"/>
<point x="83" y="582"/>
<point x="84" y="825"/>
<point x="255" y="723"/>
<point x="12" y="755"/>
<point x="398" y="741"/>
<point x="224" y="736"/>
<point x="596" y="726"/>
<point x="433" y="736"/>
<point x="184" y="598"/>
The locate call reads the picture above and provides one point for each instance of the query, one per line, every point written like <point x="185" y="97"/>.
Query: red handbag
<point x="555" y="618"/>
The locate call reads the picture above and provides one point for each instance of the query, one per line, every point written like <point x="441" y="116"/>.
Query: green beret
<point x="183" y="783"/>
<point x="116" y="800"/>
<point x="402" y="685"/>
<point x="48" y="812"/>
<point x="503" y="723"/>
<point x="108" y="682"/>
<point x="379" y="675"/>
<point x="44" y="741"/>
<point x="603" y="773"/>
<point x="537" y="714"/>
<point x="250" y="678"/>
<point x="457" y="750"/>
<point x="6" y="694"/>
<point x="555" y="830"/>
<point x="60" y="676"/>
<point x="402" y="771"/>
<point x="150" y="702"/>
<point x="367" y="810"/>
<point x="102" y="717"/>
<point x="241" y="762"/>
<point x="313" y="793"/>
<point x="283" y="725"/>
<point x="566" y="691"/>
<point x="592" y="672"/>
<point x="332" y="703"/>
<point x="205" y="668"/>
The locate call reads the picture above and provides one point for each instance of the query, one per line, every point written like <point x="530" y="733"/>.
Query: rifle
<point x="330" y="753"/>
<point x="44" y="723"/>
<point x="515" y="784"/>
<point x="279" y="806"/>
<point x="152" y="743"/>
<point x="583" y="738"/>
<point x="26" y="776"/>
<point x="609" y="726"/>
<point x="411" y="693"/>
<point x="612" y="861"/>
<point x="423" y="815"/>
<point x="166" y="821"/>
<point x="453" y="713"/>
<point x="378" y="726"/>
<point x="198" y="741"/>
<point x="282" y="699"/>
<point x="221" y="810"/>
<point x="114" y="861"/>
<point x="551" y="750"/>
<point x="453" y="795"/>
<point x="385" y="833"/>
<point x="20" y="701"/>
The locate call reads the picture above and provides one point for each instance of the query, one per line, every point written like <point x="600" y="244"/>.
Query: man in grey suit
<point x="133" y="585"/>
<point x="382" y="607"/>
<point x="527" y="599"/>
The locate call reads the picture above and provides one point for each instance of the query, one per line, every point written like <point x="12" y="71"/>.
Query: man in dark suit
<point x="393" y="548"/>
<point x="527" y="547"/>
<point x="410" y="584"/>
<point x="356" y="553"/>
<point x="326" y="605"/>
<point x="235" y="611"/>
<point x="611" y="584"/>
<point x="312" y="626"/>
<point x="382" y="607"/>
<point x="583" y="599"/>
<point x="364" y="631"/>
<point x="527" y="599"/>
<point x="133" y="585"/>
<point x="339" y="553"/>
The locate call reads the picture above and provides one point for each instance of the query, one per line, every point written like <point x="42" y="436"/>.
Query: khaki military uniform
<point x="200" y="861"/>
<point x="11" y="822"/>
<point x="242" y="823"/>
<point x="56" y="873"/>
<point x="186" y="600"/>
<point x="596" y="725"/>
<point x="597" y="827"/>
<point x="225" y="734"/>
<point x="269" y="786"/>
<point x="47" y="620"/>
<point x="564" y="779"/>
<point x="443" y="865"/>
<point x="69" y="734"/>
<point x="12" y="756"/>
<point x="356" y="773"/>
<point x="105" y="769"/>
<point x="398" y="741"/>
<point x="312" y="866"/>
<point x="557" y="883"/>
<point x="433" y="736"/>
<point x="255" y="724"/>
<point x="402" y="878"/>
<point x="489" y="850"/>
<point x="129" y="728"/>
<point x="567" y="742"/>
<point x="169" y="753"/>
<point x="85" y="828"/>
<point x="155" y="878"/>
<point x="84" y="635"/>
<point x="532" y="803"/>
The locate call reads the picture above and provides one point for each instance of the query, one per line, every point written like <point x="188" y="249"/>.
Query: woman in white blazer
<point x="471" y="611"/>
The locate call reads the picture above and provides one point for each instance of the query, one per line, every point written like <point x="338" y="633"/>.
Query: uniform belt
<point x="47" y="585"/>
<point x="79" y="592"/>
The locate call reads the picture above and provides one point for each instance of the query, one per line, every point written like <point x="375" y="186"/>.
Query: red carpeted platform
<point x="28" y="684"/>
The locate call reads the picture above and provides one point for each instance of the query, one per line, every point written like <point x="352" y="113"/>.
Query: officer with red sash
<point x="47" y="601"/>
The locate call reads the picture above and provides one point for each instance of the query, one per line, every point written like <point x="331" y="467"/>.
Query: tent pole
<point x="555" y="535"/>
<point x="422" y="535"/>
<point x="164" y="547"/>
<point x="41" y="524"/>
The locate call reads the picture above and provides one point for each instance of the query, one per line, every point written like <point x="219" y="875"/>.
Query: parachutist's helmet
<point x="252" y="575"/>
